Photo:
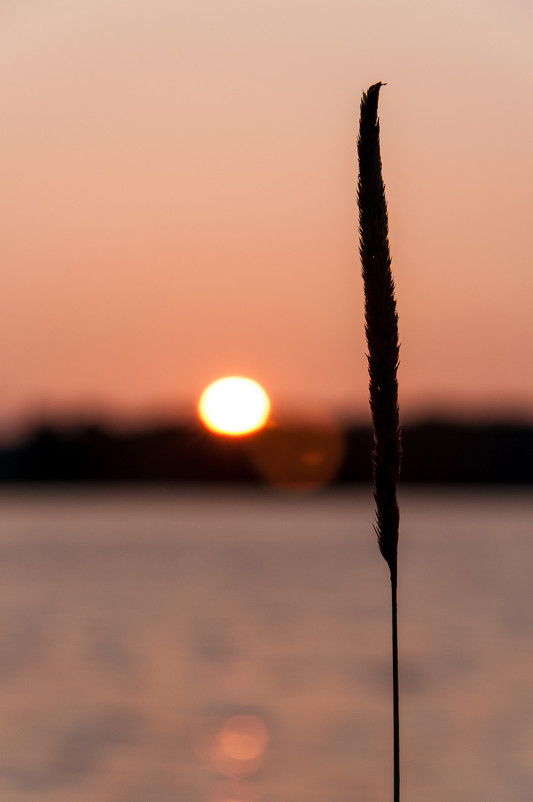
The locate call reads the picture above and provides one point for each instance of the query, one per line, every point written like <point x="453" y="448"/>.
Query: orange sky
<point x="178" y="201"/>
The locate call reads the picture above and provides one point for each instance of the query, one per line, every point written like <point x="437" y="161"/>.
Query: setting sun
<point x="234" y="406"/>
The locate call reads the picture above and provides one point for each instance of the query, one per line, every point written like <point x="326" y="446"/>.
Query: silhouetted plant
<point x="381" y="324"/>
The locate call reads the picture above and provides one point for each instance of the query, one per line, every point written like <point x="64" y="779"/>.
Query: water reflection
<point x="234" y="747"/>
<point x="124" y="614"/>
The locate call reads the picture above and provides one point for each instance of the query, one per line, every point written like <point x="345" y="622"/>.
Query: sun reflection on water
<point x="235" y="748"/>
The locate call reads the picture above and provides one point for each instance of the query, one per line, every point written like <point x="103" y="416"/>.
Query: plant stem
<point x="395" y="682"/>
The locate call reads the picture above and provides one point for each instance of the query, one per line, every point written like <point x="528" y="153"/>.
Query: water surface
<point x="160" y="645"/>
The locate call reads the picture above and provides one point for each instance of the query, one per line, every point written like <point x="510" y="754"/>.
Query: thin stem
<point x="395" y="682"/>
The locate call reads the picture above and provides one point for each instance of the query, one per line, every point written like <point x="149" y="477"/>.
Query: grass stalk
<point x="381" y="327"/>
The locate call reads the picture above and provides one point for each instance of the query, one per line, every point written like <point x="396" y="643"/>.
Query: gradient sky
<point x="178" y="201"/>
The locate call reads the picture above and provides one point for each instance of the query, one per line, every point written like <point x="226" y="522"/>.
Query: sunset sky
<point x="178" y="184"/>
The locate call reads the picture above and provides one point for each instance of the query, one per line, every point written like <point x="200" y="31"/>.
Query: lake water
<point x="193" y="646"/>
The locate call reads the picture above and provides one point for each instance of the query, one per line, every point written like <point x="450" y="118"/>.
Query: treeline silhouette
<point x="433" y="452"/>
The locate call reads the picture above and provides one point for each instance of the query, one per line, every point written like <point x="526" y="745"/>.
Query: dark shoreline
<point x="434" y="452"/>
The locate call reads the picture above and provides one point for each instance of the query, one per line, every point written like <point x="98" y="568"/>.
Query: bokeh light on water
<point x="235" y="748"/>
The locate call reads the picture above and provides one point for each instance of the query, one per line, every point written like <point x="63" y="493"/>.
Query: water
<point x="169" y="645"/>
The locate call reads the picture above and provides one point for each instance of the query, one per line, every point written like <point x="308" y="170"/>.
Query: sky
<point x="178" y="202"/>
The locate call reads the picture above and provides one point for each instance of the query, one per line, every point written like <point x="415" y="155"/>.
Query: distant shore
<point x="436" y="451"/>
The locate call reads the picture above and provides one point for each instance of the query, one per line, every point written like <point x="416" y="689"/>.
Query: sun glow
<point x="234" y="406"/>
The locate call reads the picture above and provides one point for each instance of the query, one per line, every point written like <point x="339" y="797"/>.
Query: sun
<point x="234" y="405"/>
